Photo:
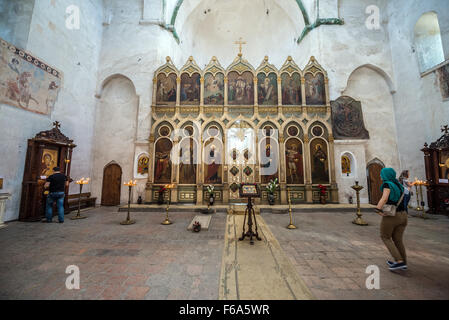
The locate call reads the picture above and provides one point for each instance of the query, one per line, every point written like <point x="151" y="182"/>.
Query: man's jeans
<point x="59" y="198"/>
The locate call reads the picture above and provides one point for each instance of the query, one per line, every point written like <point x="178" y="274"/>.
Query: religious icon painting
<point x="213" y="163"/>
<point x="345" y="165"/>
<point x="162" y="162"/>
<point x="294" y="161"/>
<point x="240" y="88"/>
<point x="315" y="89"/>
<point x="187" y="166"/>
<point x="267" y="90"/>
<point x="190" y="89"/>
<point x="214" y="89"/>
<point x="317" y="131"/>
<point x="166" y="89"/>
<point x="320" y="161"/>
<point x="291" y="89"/>
<point x="164" y="131"/>
<point x="292" y="131"/>
<point x="142" y="164"/>
<point x="444" y="165"/>
<point x="49" y="161"/>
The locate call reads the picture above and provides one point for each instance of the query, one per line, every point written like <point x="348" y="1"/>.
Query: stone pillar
<point x="3" y="198"/>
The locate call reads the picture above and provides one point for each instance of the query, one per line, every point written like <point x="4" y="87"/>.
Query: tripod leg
<point x="244" y="221"/>
<point x="255" y="222"/>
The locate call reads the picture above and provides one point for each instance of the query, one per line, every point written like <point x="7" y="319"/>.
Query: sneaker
<point x="61" y="221"/>
<point x="398" y="266"/>
<point x="390" y="263"/>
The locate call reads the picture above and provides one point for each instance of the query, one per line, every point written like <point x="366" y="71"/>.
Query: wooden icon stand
<point x="250" y="191"/>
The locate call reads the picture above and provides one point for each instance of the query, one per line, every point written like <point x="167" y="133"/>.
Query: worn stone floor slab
<point x="204" y="220"/>
<point x="260" y="271"/>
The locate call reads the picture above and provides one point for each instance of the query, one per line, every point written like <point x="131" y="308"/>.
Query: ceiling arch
<point x="177" y="19"/>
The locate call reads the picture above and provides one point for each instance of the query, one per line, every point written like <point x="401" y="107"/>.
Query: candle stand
<point x="358" y="220"/>
<point x="81" y="183"/>
<point x="128" y="220"/>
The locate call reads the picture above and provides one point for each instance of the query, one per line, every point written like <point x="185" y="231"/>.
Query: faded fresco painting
<point x="240" y="88"/>
<point x="294" y="161"/>
<point x="190" y="89"/>
<point x="188" y="161"/>
<point x="162" y="162"/>
<point x="214" y="89"/>
<point x="213" y="150"/>
<point x="26" y="82"/>
<point x="291" y="89"/>
<point x="347" y="119"/>
<point x="267" y="90"/>
<point x="315" y="89"/>
<point x="443" y="79"/>
<point x="48" y="162"/>
<point x="166" y="89"/>
<point x="320" y="161"/>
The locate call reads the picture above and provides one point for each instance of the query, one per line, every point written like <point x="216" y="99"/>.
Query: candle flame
<point x="83" y="181"/>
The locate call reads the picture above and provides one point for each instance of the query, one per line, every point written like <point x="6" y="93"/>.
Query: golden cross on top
<point x="445" y="129"/>
<point x="240" y="42"/>
<point x="57" y="124"/>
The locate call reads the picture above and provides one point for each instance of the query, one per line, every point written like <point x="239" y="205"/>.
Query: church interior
<point x="178" y="123"/>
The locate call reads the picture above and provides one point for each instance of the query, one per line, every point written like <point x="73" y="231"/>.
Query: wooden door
<point x="374" y="182"/>
<point x="112" y="182"/>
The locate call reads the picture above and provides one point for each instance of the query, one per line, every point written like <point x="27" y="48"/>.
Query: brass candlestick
<point x="167" y="221"/>
<point x="418" y="208"/>
<point x="358" y="220"/>
<point x="81" y="183"/>
<point x="128" y="220"/>
<point x="290" y="225"/>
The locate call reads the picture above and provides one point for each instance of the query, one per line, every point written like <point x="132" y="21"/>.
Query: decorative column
<point x="326" y="86"/>
<point x="225" y="91"/>
<point x="149" y="185"/>
<point x="308" y="170"/>
<point x="3" y="198"/>
<point x="279" y="94"/>
<point x="178" y="93"/>
<point x="282" y="166"/>
<point x="201" y="94"/>
<point x="154" y="91"/>
<point x="255" y="92"/>
<point x="175" y="172"/>
<point x="303" y="90"/>
<point x="334" y="189"/>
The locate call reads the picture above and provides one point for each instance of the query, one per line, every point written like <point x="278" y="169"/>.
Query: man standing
<point x="57" y="183"/>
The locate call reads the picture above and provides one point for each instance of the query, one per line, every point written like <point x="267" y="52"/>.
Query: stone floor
<point x="331" y="254"/>
<point x="151" y="261"/>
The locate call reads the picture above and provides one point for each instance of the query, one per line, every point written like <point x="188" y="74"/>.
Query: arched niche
<point x="348" y="165"/>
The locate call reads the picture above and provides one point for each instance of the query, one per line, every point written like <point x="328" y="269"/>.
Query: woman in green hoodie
<point x="392" y="227"/>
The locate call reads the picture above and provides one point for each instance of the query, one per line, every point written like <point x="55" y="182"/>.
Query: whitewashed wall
<point x="75" y="53"/>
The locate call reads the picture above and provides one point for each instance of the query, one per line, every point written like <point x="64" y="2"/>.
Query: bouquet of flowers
<point x="323" y="189"/>
<point x="210" y="189"/>
<point x="272" y="186"/>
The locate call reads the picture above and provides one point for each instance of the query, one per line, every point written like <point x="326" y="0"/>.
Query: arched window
<point x="429" y="46"/>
